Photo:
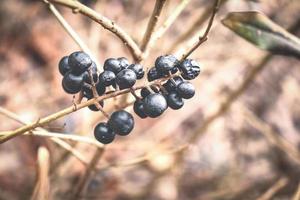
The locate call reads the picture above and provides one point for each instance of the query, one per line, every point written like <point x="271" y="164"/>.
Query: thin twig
<point x="152" y="23"/>
<point x="278" y="185"/>
<point x="71" y="31"/>
<point x="83" y="180"/>
<point x="42" y="187"/>
<point x="296" y="196"/>
<point x="105" y="23"/>
<point x="203" y="38"/>
<point x="193" y="29"/>
<point x="166" y="25"/>
<point x="66" y="111"/>
<point x="273" y="137"/>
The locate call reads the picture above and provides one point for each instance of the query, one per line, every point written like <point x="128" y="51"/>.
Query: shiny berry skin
<point x="113" y="65"/>
<point x="170" y="86"/>
<point x="190" y="69"/>
<point x="103" y="133"/>
<point x="145" y="92"/>
<point x="138" y="108"/>
<point x="154" y="105"/>
<point x="123" y="62"/>
<point x="174" y="101"/>
<point x="72" y="83"/>
<point x="63" y="65"/>
<point x="87" y="92"/>
<point x="186" y="90"/>
<point x="93" y="107"/>
<point x="138" y="70"/>
<point x="166" y="63"/>
<point x="121" y="122"/>
<point x="107" y="78"/>
<point x="153" y="74"/>
<point x="79" y="62"/>
<point x="126" y="78"/>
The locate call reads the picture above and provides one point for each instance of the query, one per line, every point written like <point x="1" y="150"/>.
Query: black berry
<point x="100" y="88"/>
<point x="113" y="65"/>
<point x="186" y="90"/>
<point x="72" y="83"/>
<point x="63" y="65"/>
<point x="145" y="92"/>
<point x="126" y="79"/>
<point x="138" y="108"/>
<point x="103" y="133"/>
<point x="107" y="78"/>
<point x="93" y="107"/>
<point x="154" y="105"/>
<point x="138" y="70"/>
<point x="79" y="62"/>
<point x="86" y="75"/>
<point x="121" y="122"/>
<point x="153" y="74"/>
<point x="190" y="69"/>
<point x="172" y="85"/>
<point x="174" y="101"/>
<point x="166" y="63"/>
<point x="123" y="62"/>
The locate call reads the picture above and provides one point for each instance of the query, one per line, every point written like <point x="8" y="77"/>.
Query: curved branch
<point x="105" y="23"/>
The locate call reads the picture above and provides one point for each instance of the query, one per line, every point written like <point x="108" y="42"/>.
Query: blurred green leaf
<point x="264" y="33"/>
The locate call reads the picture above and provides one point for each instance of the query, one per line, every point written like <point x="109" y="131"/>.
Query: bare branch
<point x="83" y="180"/>
<point x="42" y="187"/>
<point x="193" y="29"/>
<point x="105" y="23"/>
<point x="296" y="196"/>
<point x="203" y="38"/>
<point x="66" y="111"/>
<point x="278" y="185"/>
<point x="71" y="31"/>
<point x="166" y="25"/>
<point x="152" y="23"/>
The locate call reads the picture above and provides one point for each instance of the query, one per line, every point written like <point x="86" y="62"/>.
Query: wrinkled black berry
<point x="72" y="83"/>
<point x="138" y="70"/>
<point x="154" y="105"/>
<point x="113" y="65"/>
<point x="93" y="107"/>
<point x="186" y="90"/>
<point x="138" y="108"/>
<point x="125" y="79"/>
<point x="107" y="78"/>
<point x="121" y="122"/>
<point x="166" y="63"/>
<point x="153" y="74"/>
<point x="190" y="69"/>
<point x="174" y="101"/>
<point x="170" y="85"/>
<point x="123" y="62"/>
<point x="79" y="62"/>
<point x="63" y="65"/>
<point x="103" y="133"/>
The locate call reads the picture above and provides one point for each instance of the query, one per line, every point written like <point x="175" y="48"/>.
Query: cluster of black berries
<point x="171" y="94"/>
<point x="80" y="72"/>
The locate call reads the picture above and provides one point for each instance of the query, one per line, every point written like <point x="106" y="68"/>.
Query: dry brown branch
<point x="166" y="25"/>
<point x="273" y="137"/>
<point x="66" y="111"/>
<point x="278" y="185"/>
<point x="194" y="27"/>
<point x="105" y="23"/>
<point x="70" y="31"/>
<point x="55" y="137"/>
<point x="42" y="187"/>
<point x="296" y="196"/>
<point x="203" y="38"/>
<point x="83" y="180"/>
<point x="152" y="24"/>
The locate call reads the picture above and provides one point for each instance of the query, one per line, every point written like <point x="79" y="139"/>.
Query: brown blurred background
<point x="235" y="154"/>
